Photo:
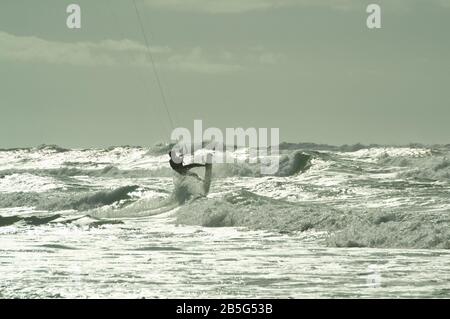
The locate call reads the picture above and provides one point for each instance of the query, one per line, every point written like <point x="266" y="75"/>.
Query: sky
<point x="311" y="68"/>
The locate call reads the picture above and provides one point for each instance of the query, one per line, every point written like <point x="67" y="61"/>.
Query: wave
<point x="26" y="182"/>
<point x="294" y="163"/>
<point x="355" y="147"/>
<point x="424" y="168"/>
<point x="31" y="220"/>
<point x="163" y="148"/>
<point x="86" y="202"/>
<point x="67" y="201"/>
<point x="52" y="147"/>
<point x="140" y="208"/>
<point x="325" y="147"/>
<point x="290" y="164"/>
<point x="372" y="228"/>
<point x="186" y="188"/>
<point x="45" y="147"/>
<point x="22" y="199"/>
<point x="439" y="170"/>
<point x="108" y="171"/>
<point x="84" y="220"/>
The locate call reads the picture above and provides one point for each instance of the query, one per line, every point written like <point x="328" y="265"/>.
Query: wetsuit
<point x="180" y="168"/>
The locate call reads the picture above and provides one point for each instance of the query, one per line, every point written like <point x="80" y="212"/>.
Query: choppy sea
<point x="334" y="222"/>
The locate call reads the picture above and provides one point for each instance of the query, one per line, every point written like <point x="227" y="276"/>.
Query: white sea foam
<point x="374" y="154"/>
<point x="28" y="183"/>
<point x="112" y="223"/>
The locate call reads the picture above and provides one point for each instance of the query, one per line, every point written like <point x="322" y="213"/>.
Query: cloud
<point x="195" y="61"/>
<point x="112" y="53"/>
<point x="103" y="53"/>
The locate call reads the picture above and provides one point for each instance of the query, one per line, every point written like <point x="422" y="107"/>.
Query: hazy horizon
<point x="350" y="145"/>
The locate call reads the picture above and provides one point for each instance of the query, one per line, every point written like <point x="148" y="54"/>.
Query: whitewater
<point x="369" y="221"/>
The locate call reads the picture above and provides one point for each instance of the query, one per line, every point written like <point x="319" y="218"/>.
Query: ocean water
<point x="334" y="222"/>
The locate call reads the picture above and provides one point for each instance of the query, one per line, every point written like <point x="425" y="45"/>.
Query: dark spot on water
<point x="351" y="244"/>
<point x="306" y="226"/>
<point x="158" y="248"/>
<point x="384" y="218"/>
<point x="227" y="259"/>
<point x="57" y="246"/>
<point x="6" y="221"/>
<point x="33" y="220"/>
<point x="105" y="222"/>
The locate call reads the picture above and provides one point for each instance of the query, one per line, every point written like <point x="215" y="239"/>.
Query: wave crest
<point x="371" y="228"/>
<point x="86" y="202"/>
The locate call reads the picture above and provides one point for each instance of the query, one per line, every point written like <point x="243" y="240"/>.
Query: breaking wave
<point x="107" y="171"/>
<point x="427" y="168"/>
<point x="54" y="148"/>
<point x="89" y="201"/>
<point x="186" y="188"/>
<point x="22" y="199"/>
<point x="434" y="169"/>
<point x="290" y="164"/>
<point x="67" y="201"/>
<point x="328" y="192"/>
<point x="369" y="228"/>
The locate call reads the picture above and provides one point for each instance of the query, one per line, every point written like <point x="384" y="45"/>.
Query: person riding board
<point x="176" y="162"/>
